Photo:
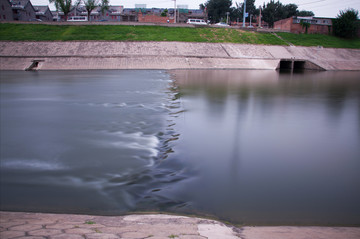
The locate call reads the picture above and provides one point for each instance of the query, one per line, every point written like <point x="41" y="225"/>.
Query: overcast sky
<point x="321" y="8"/>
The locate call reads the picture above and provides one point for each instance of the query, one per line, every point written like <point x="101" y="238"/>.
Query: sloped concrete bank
<point x="81" y="55"/>
<point x="155" y="226"/>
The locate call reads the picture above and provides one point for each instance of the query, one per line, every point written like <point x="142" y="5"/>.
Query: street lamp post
<point x="244" y="15"/>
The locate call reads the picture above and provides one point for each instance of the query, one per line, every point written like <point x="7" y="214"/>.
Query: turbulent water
<point x="243" y="146"/>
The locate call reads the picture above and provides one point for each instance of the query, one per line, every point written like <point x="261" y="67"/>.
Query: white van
<point x="196" y="21"/>
<point x="77" y="19"/>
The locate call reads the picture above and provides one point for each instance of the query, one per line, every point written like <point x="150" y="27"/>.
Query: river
<point x="249" y="147"/>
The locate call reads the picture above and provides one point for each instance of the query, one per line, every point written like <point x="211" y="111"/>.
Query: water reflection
<point x="270" y="147"/>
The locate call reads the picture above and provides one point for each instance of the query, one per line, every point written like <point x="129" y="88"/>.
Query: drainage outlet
<point x="34" y="65"/>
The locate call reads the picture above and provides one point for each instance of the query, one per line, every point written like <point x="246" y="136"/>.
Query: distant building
<point x="56" y="16"/>
<point x="43" y="13"/>
<point x="23" y="10"/>
<point x="317" y="25"/>
<point x="154" y="15"/>
<point x="129" y="15"/>
<point x="185" y="14"/>
<point x="6" y="12"/>
<point x="114" y="13"/>
<point x="75" y="11"/>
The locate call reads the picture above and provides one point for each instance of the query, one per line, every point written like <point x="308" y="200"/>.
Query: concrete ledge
<point x="143" y="62"/>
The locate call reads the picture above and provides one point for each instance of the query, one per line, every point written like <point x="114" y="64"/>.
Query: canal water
<point x="249" y="147"/>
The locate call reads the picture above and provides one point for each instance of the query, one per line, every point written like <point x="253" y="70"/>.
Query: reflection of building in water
<point x="269" y="87"/>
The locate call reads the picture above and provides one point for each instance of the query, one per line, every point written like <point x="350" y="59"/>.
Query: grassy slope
<point x="39" y="32"/>
<point x="320" y="40"/>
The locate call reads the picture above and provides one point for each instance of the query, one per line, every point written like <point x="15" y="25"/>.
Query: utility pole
<point x="244" y="17"/>
<point x="174" y="11"/>
<point x="227" y="17"/>
<point x="260" y="17"/>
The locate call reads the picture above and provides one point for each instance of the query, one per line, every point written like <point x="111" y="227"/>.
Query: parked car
<point x="196" y="21"/>
<point x="222" y="24"/>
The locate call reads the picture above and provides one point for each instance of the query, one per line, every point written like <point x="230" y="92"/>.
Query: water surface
<point x="243" y="146"/>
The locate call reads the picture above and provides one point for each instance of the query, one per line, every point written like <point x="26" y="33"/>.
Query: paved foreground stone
<point x="154" y="226"/>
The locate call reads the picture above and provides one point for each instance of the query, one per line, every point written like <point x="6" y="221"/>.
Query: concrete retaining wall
<point x="167" y="55"/>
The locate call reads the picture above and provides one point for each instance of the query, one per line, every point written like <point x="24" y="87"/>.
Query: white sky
<point x="321" y="8"/>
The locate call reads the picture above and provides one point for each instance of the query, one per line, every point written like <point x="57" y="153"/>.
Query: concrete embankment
<point x="155" y="226"/>
<point x="79" y="55"/>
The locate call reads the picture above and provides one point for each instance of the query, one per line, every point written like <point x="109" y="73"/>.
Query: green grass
<point x="320" y="40"/>
<point x="42" y="32"/>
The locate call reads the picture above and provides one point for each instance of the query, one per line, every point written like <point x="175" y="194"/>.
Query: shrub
<point x="346" y="24"/>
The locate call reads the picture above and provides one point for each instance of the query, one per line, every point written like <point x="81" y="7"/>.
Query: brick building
<point x="317" y="25"/>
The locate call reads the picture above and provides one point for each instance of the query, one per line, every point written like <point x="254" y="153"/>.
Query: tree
<point x="62" y="5"/>
<point x="305" y="25"/>
<point x="346" y="24"/>
<point x="304" y="13"/>
<point x="104" y="6"/>
<point x="89" y="6"/>
<point x="164" y="13"/>
<point x="217" y="9"/>
<point x="288" y="10"/>
<point x="270" y="11"/>
<point x="275" y="11"/>
<point x="238" y="11"/>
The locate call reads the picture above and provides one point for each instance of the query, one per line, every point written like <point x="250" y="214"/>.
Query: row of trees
<point x="66" y="5"/>
<point x="271" y="12"/>
<point x="345" y="25"/>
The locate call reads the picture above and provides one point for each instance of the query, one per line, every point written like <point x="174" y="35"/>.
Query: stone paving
<point x="75" y="55"/>
<point x="56" y="226"/>
<point x="155" y="226"/>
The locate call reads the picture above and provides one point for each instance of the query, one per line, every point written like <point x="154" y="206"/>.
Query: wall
<point x="284" y="24"/>
<point x="313" y="29"/>
<point x="153" y="18"/>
